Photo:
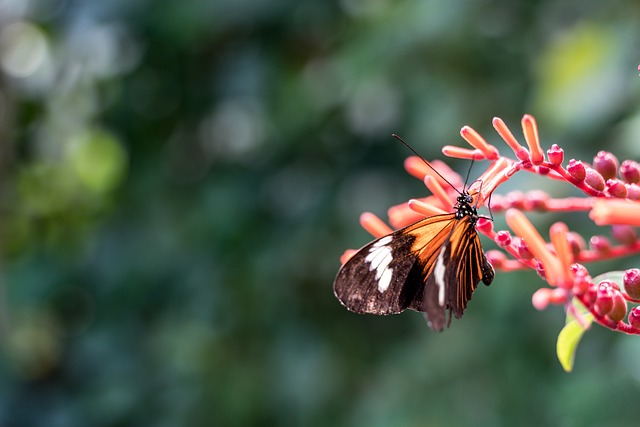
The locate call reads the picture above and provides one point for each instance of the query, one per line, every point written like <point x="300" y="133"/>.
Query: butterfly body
<point x="431" y="266"/>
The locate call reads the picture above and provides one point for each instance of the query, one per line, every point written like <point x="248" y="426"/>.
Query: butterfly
<point x="432" y="266"/>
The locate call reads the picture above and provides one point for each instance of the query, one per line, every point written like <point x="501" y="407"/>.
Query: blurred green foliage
<point x="179" y="179"/>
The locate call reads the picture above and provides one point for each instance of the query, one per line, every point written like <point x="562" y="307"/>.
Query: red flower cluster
<point x="613" y="198"/>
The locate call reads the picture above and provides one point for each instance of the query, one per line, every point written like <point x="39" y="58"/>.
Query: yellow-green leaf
<point x="569" y="337"/>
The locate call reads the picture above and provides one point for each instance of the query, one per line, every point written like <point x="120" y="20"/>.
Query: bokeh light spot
<point x="99" y="160"/>
<point x="23" y="49"/>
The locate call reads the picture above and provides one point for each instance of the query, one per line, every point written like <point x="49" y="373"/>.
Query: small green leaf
<point x="569" y="337"/>
<point x="614" y="276"/>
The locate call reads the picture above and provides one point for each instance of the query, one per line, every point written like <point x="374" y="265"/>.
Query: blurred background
<point x="179" y="179"/>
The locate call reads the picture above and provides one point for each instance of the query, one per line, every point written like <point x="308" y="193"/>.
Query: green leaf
<point x="616" y="276"/>
<point x="569" y="337"/>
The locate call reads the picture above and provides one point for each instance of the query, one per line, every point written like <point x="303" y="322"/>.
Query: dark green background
<point x="179" y="179"/>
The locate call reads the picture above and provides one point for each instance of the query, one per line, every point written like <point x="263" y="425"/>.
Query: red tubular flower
<point x="476" y="141"/>
<point x="502" y="129"/>
<point x="530" y="130"/>
<point x="523" y="228"/>
<point x="610" y="211"/>
<point x="374" y="225"/>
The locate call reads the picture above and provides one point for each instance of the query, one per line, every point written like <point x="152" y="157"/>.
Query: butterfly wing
<point x="460" y="266"/>
<point x="388" y="275"/>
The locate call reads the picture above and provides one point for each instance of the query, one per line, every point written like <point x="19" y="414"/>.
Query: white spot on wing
<point x="379" y="258"/>
<point x="385" y="280"/>
<point x="438" y="272"/>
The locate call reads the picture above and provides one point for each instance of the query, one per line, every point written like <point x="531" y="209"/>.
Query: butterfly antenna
<point x="469" y="174"/>
<point x="488" y="202"/>
<point x="427" y="163"/>
<point x="489" y="206"/>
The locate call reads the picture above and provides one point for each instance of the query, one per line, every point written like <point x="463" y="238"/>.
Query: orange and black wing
<point x="389" y="274"/>
<point x="459" y="267"/>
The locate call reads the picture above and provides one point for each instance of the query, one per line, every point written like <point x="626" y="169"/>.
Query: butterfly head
<point x="465" y="199"/>
<point x="464" y="206"/>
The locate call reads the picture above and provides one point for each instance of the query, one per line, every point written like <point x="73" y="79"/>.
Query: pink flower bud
<point x="555" y="155"/>
<point x="496" y="258"/>
<point x="541" y="298"/>
<point x="630" y="171"/>
<point x="624" y="234"/>
<point x="604" y="299"/>
<point x="516" y="199"/>
<point x="558" y="296"/>
<point x="591" y="295"/>
<point x="594" y="179"/>
<point x="523" y="249"/>
<point x="579" y="270"/>
<point x="581" y="286"/>
<point x="616" y="188"/>
<point x="576" y="243"/>
<point x="606" y="164"/>
<point x="581" y="279"/>
<point x="576" y="169"/>
<point x="633" y="191"/>
<point x="536" y="199"/>
<point x="634" y="318"/>
<point x="543" y="170"/>
<point x="484" y="225"/>
<point x="600" y="243"/>
<point x="631" y="282"/>
<point x="523" y="155"/>
<point x="619" y="309"/>
<point x="498" y="203"/>
<point x="503" y="238"/>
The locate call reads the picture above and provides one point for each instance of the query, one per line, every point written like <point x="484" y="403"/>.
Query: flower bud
<point x="619" y="309"/>
<point x="579" y="270"/>
<point x="604" y="299"/>
<point x="503" y="238"/>
<point x="582" y="282"/>
<point x="543" y="170"/>
<point x="541" y="298"/>
<point x="523" y="155"/>
<point x="633" y="191"/>
<point x="630" y="171"/>
<point x="484" y="225"/>
<point x="631" y="282"/>
<point x="496" y="258"/>
<point x="536" y="199"/>
<point x="634" y="318"/>
<point x="600" y="243"/>
<point x="606" y="164"/>
<point x="576" y="243"/>
<point x="555" y="155"/>
<point x="616" y="188"/>
<point x="594" y="179"/>
<point x="581" y="285"/>
<point x="516" y="199"/>
<point x="498" y="203"/>
<point x="576" y="169"/>
<point x="523" y="249"/>
<point x="624" y="234"/>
